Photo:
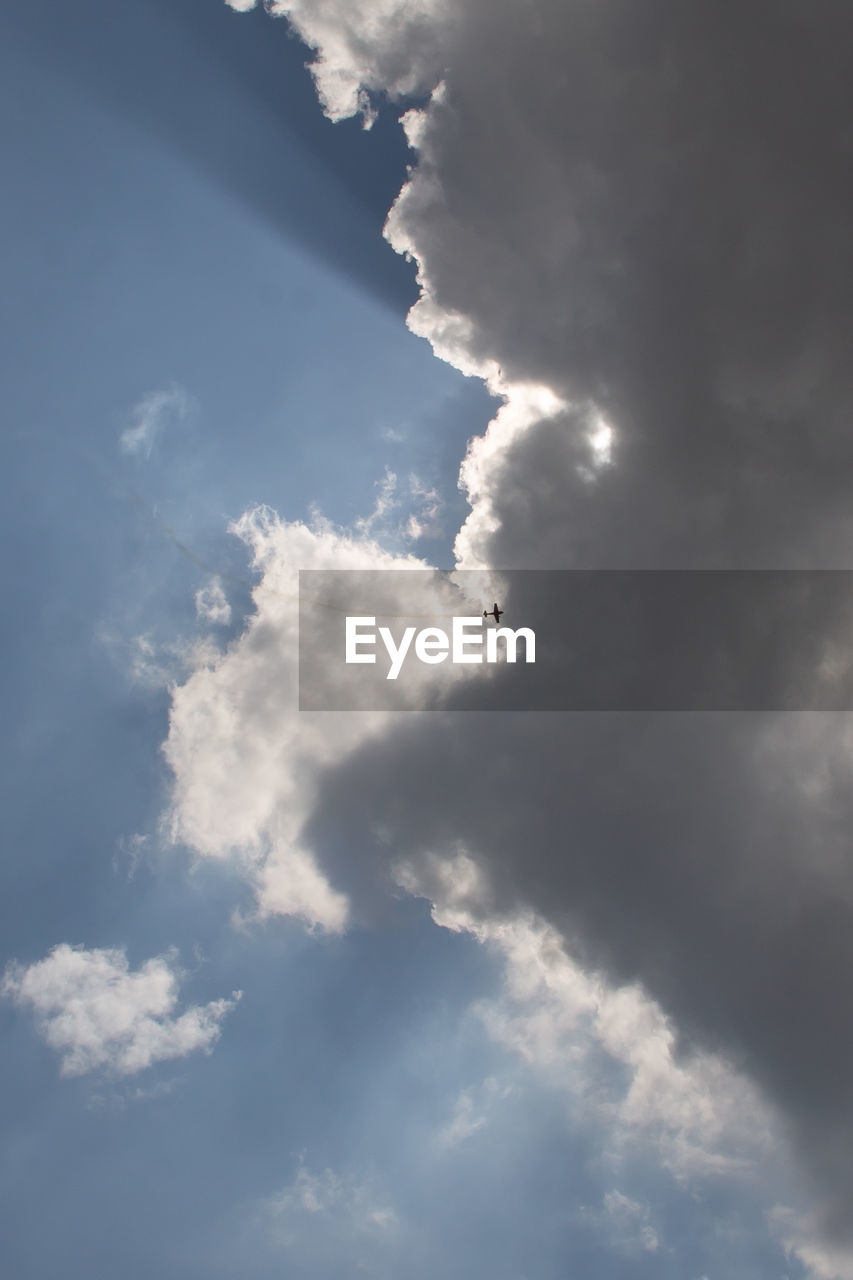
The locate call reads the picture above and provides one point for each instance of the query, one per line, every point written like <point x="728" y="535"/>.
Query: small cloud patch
<point x="98" y="1013"/>
<point x="150" y="416"/>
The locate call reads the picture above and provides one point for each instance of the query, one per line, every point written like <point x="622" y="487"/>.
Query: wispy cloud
<point x="389" y="520"/>
<point x="386" y="501"/>
<point x="211" y="604"/>
<point x="630" y="1223"/>
<point x="150" y="416"/>
<point x="333" y="1214"/>
<point x="471" y="1112"/>
<point x="245" y="760"/>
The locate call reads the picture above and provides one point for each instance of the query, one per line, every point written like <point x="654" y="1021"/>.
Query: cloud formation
<point x="246" y="761"/>
<point x="97" y="1013"/>
<point x="633" y="222"/>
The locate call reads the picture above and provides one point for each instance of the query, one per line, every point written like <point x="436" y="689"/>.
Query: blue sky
<point x="279" y="1001"/>
<point x="132" y="269"/>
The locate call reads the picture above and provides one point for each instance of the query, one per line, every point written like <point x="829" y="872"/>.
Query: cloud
<point x="355" y="56"/>
<point x="328" y="1193"/>
<point x="462" y="1124"/>
<point x="630" y="262"/>
<point x="99" y="1014"/>
<point x="470" y="1113"/>
<point x="571" y="1025"/>
<point x="149" y="418"/>
<point x="245" y="760"/>
<point x="386" y="502"/>
<point x="424" y="521"/>
<point x="801" y="1235"/>
<point x="697" y="865"/>
<point x="633" y="223"/>
<point x="211" y="604"/>
<point x="402" y="513"/>
<point x="321" y="1218"/>
<point x="629" y="1222"/>
<point x="147" y="666"/>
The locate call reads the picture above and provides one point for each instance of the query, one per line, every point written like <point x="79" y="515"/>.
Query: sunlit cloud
<point x="98" y="1013"/>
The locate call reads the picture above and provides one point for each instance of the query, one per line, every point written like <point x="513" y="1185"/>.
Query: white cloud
<point x="211" y="604"/>
<point x="98" y="1013"/>
<point x="386" y="502"/>
<point x="150" y="416"/>
<point x="355" y="54"/>
<point x="246" y="761"/>
<point x="241" y="6"/>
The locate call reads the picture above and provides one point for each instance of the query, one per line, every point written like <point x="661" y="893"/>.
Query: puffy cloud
<point x="356" y="55"/>
<point x="608" y="204"/>
<point x="246" y="760"/>
<point x="98" y="1013"/>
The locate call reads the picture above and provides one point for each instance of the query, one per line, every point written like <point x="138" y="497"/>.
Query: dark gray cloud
<point x="647" y="209"/>
<point x="639" y="215"/>
<point x="707" y="856"/>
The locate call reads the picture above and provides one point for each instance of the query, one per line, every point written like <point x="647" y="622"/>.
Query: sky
<point x="414" y="990"/>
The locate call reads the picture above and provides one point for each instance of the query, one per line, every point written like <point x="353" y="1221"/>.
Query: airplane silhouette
<point x="496" y="613"/>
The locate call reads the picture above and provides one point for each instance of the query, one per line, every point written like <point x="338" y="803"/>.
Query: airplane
<point x="496" y="613"/>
